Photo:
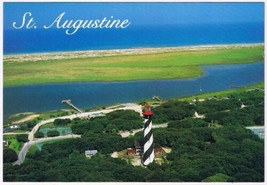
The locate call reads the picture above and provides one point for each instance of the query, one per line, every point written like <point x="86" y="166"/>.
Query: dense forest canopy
<point x="217" y="148"/>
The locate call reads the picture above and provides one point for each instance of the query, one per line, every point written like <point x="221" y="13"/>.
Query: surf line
<point x="72" y="26"/>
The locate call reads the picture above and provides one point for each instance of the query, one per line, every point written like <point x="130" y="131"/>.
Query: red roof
<point x="148" y="112"/>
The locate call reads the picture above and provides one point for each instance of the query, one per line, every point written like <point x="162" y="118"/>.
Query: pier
<point x="68" y="102"/>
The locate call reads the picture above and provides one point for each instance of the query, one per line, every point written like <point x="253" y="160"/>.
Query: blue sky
<point x="139" y="13"/>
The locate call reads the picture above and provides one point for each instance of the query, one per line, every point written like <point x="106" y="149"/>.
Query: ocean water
<point x="54" y="40"/>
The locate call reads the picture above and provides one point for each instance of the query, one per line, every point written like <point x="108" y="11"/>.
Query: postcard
<point x="133" y="92"/>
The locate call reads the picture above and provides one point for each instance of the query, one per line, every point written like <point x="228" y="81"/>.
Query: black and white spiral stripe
<point x="148" y="155"/>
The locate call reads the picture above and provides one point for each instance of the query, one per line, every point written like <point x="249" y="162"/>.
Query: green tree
<point x="111" y="128"/>
<point x="97" y="128"/>
<point x="219" y="177"/>
<point x="39" y="134"/>
<point x="52" y="133"/>
<point x="31" y="124"/>
<point x="9" y="155"/>
<point x="61" y="122"/>
<point x="22" y="138"/>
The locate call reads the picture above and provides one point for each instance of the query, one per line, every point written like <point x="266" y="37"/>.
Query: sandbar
<point x="115" y="52"/>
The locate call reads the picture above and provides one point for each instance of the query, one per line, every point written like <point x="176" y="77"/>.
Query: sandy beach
<point x="115" y="52"/>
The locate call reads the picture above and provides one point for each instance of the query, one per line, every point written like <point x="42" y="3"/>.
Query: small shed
<point x="90" y="153"/>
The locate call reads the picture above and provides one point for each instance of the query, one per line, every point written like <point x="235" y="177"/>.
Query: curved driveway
<point x="128" y="106"/>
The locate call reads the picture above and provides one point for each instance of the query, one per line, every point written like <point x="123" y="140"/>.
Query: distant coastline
<point x="116" y="52"/>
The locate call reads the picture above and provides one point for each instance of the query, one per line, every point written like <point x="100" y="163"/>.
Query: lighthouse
<point x="148" y="154"/>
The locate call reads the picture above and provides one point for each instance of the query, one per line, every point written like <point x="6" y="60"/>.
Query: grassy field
<point x="13" y="143"/>
<point x="169" y="65"/>
<point x="220" y="94"/>
<point x="55" y="113"/>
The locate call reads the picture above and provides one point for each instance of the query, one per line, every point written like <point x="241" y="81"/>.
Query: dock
<point x="68" y="102"/>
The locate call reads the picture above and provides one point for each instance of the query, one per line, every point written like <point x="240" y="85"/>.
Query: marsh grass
<point x="168" y="65"/>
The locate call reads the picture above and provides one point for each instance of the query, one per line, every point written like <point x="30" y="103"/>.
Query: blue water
<point x="38" y="98"/>
<point x="32" y="41"/>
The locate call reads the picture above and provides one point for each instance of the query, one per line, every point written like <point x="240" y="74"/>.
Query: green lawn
<point x="13" y="142"/>
<point x="169" y="65"/>
<point x="55" y="113"/>
<point x="15" y="145"/>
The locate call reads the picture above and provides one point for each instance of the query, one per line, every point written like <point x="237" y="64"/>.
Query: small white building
<point x="97" y="114"/>
<point x="200" y="116"/>
<point x="90" y="153"/>
<point x="14" y="126"/>
<point x="5" y="142"/>
<point x="199" y="100"/>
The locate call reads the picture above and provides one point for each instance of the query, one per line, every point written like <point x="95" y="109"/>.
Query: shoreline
<point x="116" y="52"/>
<point x="183" y="98"/>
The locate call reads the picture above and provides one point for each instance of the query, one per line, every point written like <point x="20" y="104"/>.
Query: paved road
<point x="15" y="133"/>
<point x="255" y="127"/>
<point x="133" y="132"/>
<point x="32" y="140"/>
<point x="26" y="146"/>
<point x="128" y="106"/>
